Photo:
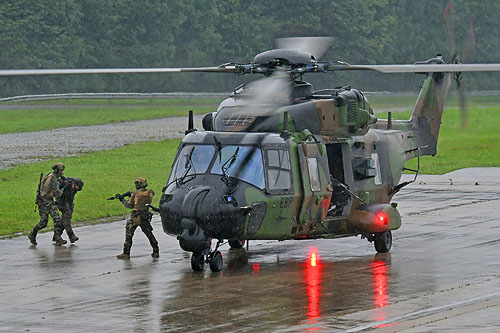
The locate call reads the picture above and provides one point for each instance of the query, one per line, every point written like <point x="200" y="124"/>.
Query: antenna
<point x="285" y="134"/>
<point x="190" y="123"/>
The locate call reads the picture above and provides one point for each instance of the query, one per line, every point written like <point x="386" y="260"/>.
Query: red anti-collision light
<point x="381" y="218"/>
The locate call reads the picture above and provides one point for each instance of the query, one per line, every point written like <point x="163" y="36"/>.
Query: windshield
<point x="247" y="165"/>
<point x="242" y="162"/>
<point x="194" y="160"/>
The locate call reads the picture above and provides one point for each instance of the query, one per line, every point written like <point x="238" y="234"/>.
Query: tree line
<point x="177" y="33"/>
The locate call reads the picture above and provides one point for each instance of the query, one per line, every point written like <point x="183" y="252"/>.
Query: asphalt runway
<point x="442" y="274"/>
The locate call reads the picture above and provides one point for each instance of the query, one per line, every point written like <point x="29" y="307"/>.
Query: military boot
<point x="32" y="237"/>
<point x="155" y="254"/>
<point x="72" y="237"/>
<point x="123" y="256"/>
<point x="59" y="240"/>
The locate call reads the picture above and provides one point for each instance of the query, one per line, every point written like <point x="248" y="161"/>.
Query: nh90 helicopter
<point x="278" y="160"/>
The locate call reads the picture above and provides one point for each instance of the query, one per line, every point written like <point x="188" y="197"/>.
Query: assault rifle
<point x="121" y="196"/>
<point x="37" y="200"/>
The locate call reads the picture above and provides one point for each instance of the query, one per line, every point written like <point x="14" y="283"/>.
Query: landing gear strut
<point x="236" y="243"/>
<point x="213" y="258"/>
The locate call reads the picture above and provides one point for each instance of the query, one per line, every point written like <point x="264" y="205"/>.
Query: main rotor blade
<point x="316" y="46"/>
<point x="226" y="68"/>
<point x="420" y="68"/>
<point x="271" y="91"/>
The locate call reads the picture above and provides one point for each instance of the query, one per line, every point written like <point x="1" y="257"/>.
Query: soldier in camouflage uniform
<point x="65" y="203"/>
<point x="50" y="190"/>
<point x="140" y="216"/>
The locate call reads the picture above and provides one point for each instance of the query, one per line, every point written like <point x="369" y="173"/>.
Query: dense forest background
<point x="176" y="33"/>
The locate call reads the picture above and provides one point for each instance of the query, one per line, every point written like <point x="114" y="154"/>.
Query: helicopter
<point x="278" y="160"/>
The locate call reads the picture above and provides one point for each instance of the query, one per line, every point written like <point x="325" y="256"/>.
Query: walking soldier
<point x="139" y="202"/>
<point x="49" y="190"/>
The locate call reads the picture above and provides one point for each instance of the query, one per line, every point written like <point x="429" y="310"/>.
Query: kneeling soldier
<point x="140" y="216"/>
<point x="49" y="189"/>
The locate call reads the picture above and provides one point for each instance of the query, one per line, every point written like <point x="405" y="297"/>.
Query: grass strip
<point x="109" y="172"/>
<point x="104" y="173"/>
<point x="476" y="146"/>
<point x="383" y="101"/>
<point x="38" y="119"/>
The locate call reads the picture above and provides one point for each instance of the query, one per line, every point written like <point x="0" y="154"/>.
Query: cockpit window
<point x="193" y="160"/>
<point x="247" y="164"/>
<point x="278" y="170"/>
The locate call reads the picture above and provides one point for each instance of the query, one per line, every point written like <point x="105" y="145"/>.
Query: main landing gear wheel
<point x="236" y="243"/>
<point x="383" y="241"/>
<point x="216" y="261"/>
<point x="197" y="262"/>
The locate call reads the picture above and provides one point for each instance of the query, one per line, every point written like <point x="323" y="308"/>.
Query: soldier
<point x="69" y="186"/>
<point x="140" y="216"/>
<point x="50" y="189"/>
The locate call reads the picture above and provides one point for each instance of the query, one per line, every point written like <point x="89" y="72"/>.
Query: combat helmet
<point x="58" y="167"/>
<point x="78" y="183"/>
<point x="140" y="183"/>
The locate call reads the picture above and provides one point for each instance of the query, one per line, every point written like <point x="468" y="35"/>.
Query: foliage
<point x="155" y="33"/>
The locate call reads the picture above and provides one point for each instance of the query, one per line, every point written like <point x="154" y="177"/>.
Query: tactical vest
<point x="50" y="187"/>
<point x="141" y="198"/>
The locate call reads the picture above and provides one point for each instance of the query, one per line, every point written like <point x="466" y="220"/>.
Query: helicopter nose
<point x="194" y="201"/>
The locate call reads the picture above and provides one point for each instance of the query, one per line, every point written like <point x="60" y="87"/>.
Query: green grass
<point x="173" y="101"/>
<point x="109" y="172"/>
<point x="382" y="101"/>
<point x="31" y="119"/>
<point x="476" y="146"/>
<point x="104" y="173"/>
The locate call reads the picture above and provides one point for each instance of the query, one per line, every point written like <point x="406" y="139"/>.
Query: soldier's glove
<point x="156" y="209"/>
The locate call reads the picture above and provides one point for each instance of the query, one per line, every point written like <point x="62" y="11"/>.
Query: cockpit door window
<point x="278" y="170"/>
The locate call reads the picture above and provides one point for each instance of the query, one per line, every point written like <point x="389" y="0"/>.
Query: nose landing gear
<point x="213" y="258"/>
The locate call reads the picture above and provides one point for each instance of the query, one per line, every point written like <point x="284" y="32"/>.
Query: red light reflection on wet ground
<point x="313" y="269"/>
<point x="380" y="280"/>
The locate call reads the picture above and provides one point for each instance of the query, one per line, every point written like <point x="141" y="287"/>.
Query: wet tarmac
<point x="29" y="147"/>
<point x="442" y="274"/>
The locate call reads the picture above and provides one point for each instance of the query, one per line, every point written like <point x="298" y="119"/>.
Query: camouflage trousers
<point x="66" y="209"/>
<point x="146" y="228"/>
<point x="48" y="207"/>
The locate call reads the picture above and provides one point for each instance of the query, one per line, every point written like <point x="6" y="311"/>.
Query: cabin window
<point x="247" y="165"/>
<point x="312" y="166"/>
<point x="278" y="169"/>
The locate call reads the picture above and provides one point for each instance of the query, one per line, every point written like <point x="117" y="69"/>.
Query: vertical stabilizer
<point x="425" y="119"/>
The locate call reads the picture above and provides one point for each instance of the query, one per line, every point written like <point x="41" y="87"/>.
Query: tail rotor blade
<point x="463" y="105"/>
<point x="449" y="27"/>
<point x="470" y="44"/>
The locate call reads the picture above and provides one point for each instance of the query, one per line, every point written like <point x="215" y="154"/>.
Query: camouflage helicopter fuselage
<point x="321" y="166"/>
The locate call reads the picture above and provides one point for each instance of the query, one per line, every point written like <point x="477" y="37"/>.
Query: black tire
<point x="216" y="262"/>
<point x="197" y="262"/>
<point x="383" y="241"/>
<point x="236" y="243"/>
